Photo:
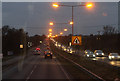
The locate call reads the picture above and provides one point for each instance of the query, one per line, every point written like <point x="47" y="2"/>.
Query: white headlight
<point x="111" y="56"/>
<point x="102" y="53"/>
<point x="97" y="53"/>
<point x="93" y="55"/>
<point x="87" y="55"/>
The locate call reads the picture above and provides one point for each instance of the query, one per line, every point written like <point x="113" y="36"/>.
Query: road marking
<point x="66" y="74"/>
<point x="82" y="67"/>
<point x="31" y="73"/>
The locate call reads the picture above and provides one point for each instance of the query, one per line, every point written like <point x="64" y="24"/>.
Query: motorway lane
<point x="47" y="69"/>
<point x="102" y="59"/>
<point x="36" y="67"/>
<point x="106" y="60"/>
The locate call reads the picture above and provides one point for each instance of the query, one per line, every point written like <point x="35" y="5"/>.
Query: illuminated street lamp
<point x="50" y="33"/>
<point x="51" y="24"/>
<point x="55" y="5"/>
<point x="71" y="23"/>
<point x="61" y="33"/>
<point x="50" y="30"/>
<point x="89" y="5"/>
<point x="56" y="35"/>
<point x="65" y="29"/>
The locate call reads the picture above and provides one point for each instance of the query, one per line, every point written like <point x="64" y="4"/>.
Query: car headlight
<point x="70" y="51"/>
<point x="97" y="53"/>
<point x="93" y="55"/>
<point x="64" y="49"/>
<point x="102" y="53"/>
<point x="111" y="56"/>
<point x="87" y="55"/>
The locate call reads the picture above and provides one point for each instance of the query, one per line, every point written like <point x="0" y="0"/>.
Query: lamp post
<point x="89" y="5"/>
<point x="52" y="23"/>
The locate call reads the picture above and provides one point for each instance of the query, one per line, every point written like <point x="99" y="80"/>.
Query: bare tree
<point x="109" y="30"/>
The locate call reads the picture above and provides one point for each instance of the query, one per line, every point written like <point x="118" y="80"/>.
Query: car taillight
<point x="37" y="48"/>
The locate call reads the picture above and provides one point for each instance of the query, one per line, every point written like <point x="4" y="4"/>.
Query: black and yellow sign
<point x="76" y="40"/>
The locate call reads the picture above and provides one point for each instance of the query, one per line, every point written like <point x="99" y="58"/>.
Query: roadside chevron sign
<point x="76" y="40"/>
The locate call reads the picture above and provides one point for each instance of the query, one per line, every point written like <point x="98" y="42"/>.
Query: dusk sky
<point x="35" y="17"/>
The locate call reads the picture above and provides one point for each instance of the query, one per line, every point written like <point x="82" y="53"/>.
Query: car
<point x="36" y="52"/>
<point x="71" y="51"/>
<point x="98" y="53"/>
<point x="38" y="49"/>
<point x="48" y="53"/>
<point x="90" y="54"/>
<point x="87" y="51"/>
<point x="114" y="56"/>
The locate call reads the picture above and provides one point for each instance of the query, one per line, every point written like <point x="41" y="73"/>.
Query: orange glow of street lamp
<point x="50" y="30"/>
<point x="55" y="5"/>
<point x="65" y="29"/>
<point x="50" y="33"/>
<point x="71" y="23"/>
<point x="51" y="23"/>
<point x="89" y="5"/>
<point x="56" y="35"/>
<point x="61" y="33"/>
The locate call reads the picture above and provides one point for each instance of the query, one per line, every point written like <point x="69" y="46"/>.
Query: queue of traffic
<point x="88" y="53"/>
<point x="47" y="51"/>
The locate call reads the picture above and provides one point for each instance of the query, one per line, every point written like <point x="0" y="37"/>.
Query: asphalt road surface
<point x="106" y="60"/>
<point x="37" y="67"/>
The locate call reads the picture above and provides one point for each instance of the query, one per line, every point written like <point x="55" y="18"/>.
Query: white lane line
<point x="82" y="67"/>
<point x="66" y="74"/>
<point x="31" y="73"/>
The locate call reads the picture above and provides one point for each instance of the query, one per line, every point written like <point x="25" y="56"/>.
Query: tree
<point x="12" y="38"/>
<point x="107" y="30"/>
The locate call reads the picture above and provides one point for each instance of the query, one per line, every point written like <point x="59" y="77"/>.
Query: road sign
<point x="76" y="40"/>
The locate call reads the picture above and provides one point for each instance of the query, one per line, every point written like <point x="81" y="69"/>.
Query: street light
<point x="55" y="5"/>
<point x="56" y="35"/>
<point x="71" y="23"/>
<point x="51" y="23"/>
<point x="50" y="30"/>
<point x="50" y="33"/>
<point x="61" y="33"/>
<point x="89" y="5"/>
<point x="65" y="29"/>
